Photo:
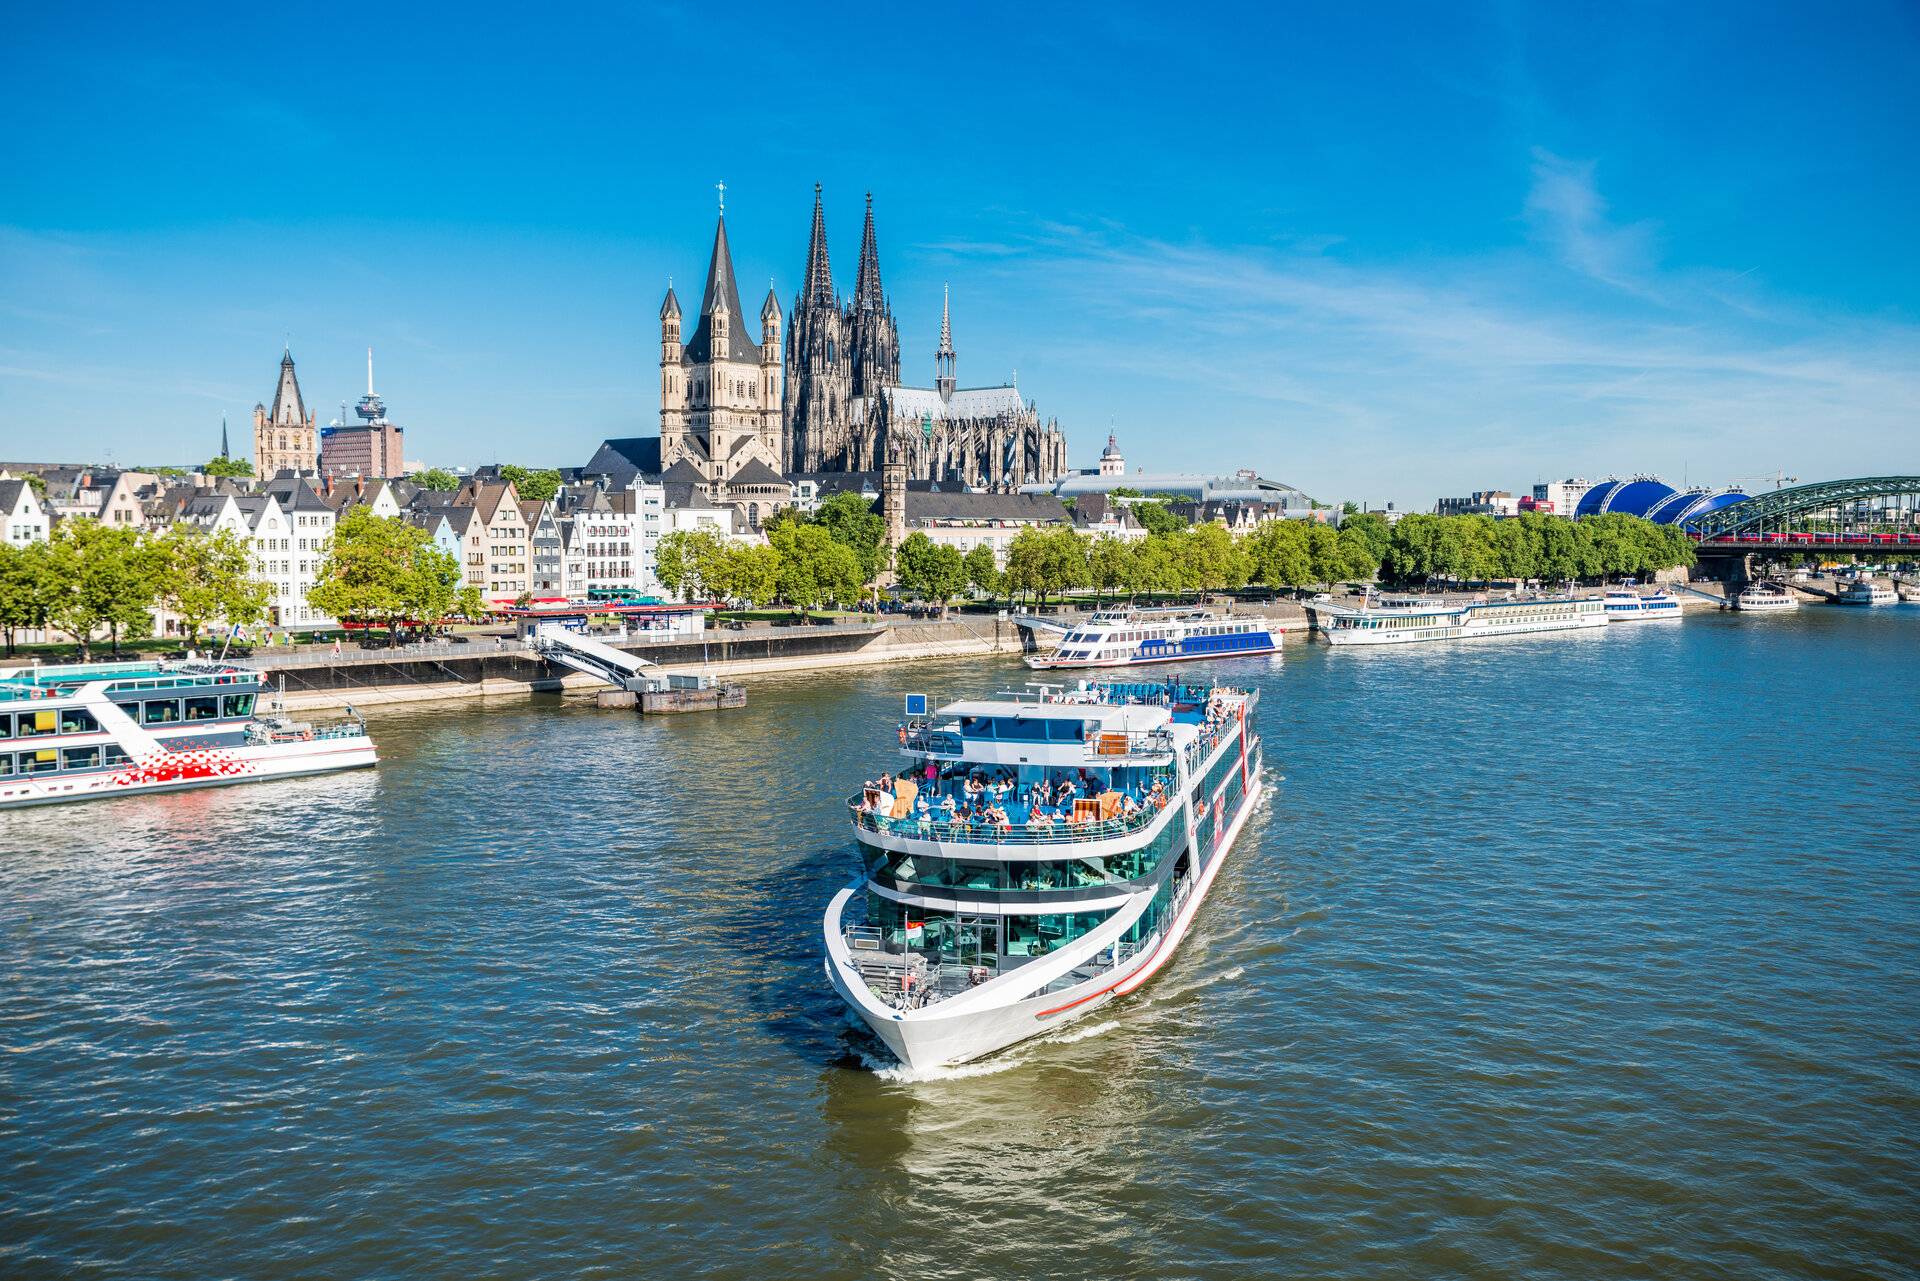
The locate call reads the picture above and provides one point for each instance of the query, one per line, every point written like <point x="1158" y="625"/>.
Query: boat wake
<point x="1187" y="989"/>
<point x="889" y="1069"/>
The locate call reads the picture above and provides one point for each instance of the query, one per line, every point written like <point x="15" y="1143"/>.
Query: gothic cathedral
<point x="846" y="409"/>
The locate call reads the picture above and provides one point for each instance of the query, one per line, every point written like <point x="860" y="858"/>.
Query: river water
<point x="1570" y="956"/>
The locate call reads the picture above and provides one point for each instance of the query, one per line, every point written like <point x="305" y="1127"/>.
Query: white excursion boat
<point x="1624" y="605"/>
<point x="1398" y="621"/>
<point x="1867" y="591"/>
<point x="1764" y="598"/>
<point x="1126" y="637"/>
<point x="82" y="731"/>
<point x="1040" y="855"/>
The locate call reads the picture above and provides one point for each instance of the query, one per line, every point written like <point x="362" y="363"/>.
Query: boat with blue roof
<point x="1131" y="636"/>
<point x="84" y="731"/>
<point x="1039" y="855"/>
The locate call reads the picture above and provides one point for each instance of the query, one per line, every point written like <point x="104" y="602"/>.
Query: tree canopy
<point x="219" y="467"/>
<point x="533" y="486"/>
<point x="207" y="577"/>
<point x="438" y="479"/>
<point x="383" y="570"/>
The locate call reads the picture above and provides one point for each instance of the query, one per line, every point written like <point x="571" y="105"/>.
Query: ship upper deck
<point x="64" y="679"/>
<point x="1096" y="722"/>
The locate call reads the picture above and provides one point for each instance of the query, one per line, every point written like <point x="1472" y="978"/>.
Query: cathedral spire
<point x="867" y="293"/>
<point x="223" y="437"/>
<point x="943" y="359"/>
<point x="818" y="284"/>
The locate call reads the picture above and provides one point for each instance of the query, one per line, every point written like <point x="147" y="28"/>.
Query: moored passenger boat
<point x="1399" y="622"/>
<point x="1039" y="856"/>
<point x="1625" y="605"/>
<point x="83" y="731"/>
<point x="1129" y="637"/>
<point x="1764" y="598"/>
<point x="1867" y="591"/>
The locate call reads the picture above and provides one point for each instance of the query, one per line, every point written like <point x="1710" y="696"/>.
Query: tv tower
<point x="371" y="408"/>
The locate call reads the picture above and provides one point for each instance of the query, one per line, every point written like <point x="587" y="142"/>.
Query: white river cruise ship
<point x="83" y="731"/>
<point x="1403" y="621"/>
<point x="1130" y="637"/>
<point x="1039" y="855"/>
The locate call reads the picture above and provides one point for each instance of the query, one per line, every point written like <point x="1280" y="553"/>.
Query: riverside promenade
<point x="499" y="666"/>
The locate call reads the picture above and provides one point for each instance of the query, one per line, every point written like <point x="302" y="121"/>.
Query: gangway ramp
<point x="1039" y="623"/>
<point x="590" y="657"/>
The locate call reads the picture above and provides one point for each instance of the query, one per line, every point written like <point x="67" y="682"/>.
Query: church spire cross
<point x="721" y="187"/>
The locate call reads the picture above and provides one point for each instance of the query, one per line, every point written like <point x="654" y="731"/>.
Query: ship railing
<point x="1060" y="832"/>
<point x="1106" y="962"/>
<point x="934" y="742"/>
<point x="68" y="671"/>
<point x="1106" y="745"/>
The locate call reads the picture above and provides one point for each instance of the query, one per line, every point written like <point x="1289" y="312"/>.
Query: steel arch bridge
<point x="1803" y="503"/>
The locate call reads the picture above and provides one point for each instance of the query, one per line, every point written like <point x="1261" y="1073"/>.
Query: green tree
<point x="107" y="578"/>
<point x="438" y="479"/>
<point x="226" y="467"/>
<point x="753" y="573"/>
<point x="1374" y="529"/>
<point x="532" y="486"/>
<point x="1155" y="517"/>
<point x="983" y="571"/>
<point x="936" y="571"/>
<point x="1213" y="561"/>
<point x="468" y="603"/>
<point x="1064" y="565"/>
<point x="1277" y="554"/>
<point x="852" y="522"/>
<point x="1323" y="553"/>
<point x="913" y="563"/>
<point x="208" y="576"/>
<point x="1357" y="561"/>
<point x="29" y="587"/>
<point x="1109" y="564"/>
<point x="815" y="569"/>
<point x="382" y="570"/>
<point x="671" y="563"/>
<point x="1026" y="572"/>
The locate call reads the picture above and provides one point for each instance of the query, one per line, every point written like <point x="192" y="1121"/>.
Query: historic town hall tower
<point x="284" y="437"/>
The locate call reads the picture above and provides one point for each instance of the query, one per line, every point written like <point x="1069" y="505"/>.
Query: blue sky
<point x="1380" y="252"/>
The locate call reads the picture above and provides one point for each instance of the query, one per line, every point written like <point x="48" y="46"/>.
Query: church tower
<point x="893" y="494"/>
<point x="673" y="382"/>
<point x="720" y="408"/>
<point x="875" y="338"/>
<point x="285" y="437"/>
<point x="819" y="361"/>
